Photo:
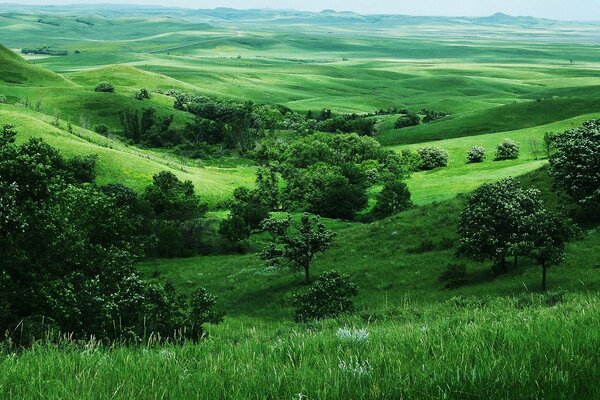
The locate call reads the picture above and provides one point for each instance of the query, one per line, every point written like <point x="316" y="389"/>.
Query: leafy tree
<point x="329" y="296"/>
<point x="393" y="198"/>
<point x="575" y="165"/>
<point x="68" y="253"/>
<point x="295" y="245"/>
<point x="267" y="187"/>
<point x="491" y="222"/>
<point x="105" y="87"/>
<point x="543" y="237"/>
<point x="201" y="312"/>
<point x="171" y="199"/>
<point x="247" y="212"/>
<point x="432" y="157"/>
<point x="142" y="94"/>
<point x="404" y="121"/>
<point x="476" y="154"/>
<point x="507" y="150"/>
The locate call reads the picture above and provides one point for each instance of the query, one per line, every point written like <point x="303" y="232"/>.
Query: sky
<point x="555" y="9"/>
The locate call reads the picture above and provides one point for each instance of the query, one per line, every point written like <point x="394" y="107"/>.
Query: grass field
<point x="497" y="78"/>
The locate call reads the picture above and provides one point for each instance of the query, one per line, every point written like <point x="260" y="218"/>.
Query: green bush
<point x="329" y="296"/>
<point x="393" y="198"/>
<point x="476" y="154"/>
<point x="142" y="94"/>
<point x="105" y="87"/>
<point x="507" y="150"/>
<point x="432" y="157"/>
<point x="101" y="129"/>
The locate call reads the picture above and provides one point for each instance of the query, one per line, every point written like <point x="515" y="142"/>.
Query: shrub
<point x="3" y="100"/>
<point x="454" y="275"/>
<point x="507" y="150"/>
<point x="407" y="120"/>
<point x="101" y="129"/>
<point x="575" y="165"/>
<point x="394" y="197"/>
<point x="476" y="154"/>
<point x="432" y="158"/>
<point x="105" y="87"/>
<point x="142" y="94"/>
<point x="329" y="296"/>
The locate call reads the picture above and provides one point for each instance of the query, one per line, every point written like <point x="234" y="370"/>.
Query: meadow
<point x="411" y="337"/>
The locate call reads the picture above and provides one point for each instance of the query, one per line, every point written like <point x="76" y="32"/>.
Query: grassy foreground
<point x="525" y="347"/>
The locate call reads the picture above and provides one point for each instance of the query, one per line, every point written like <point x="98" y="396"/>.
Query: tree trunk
<point x="515" y="261"/>
<point x="307" y="273"/>
<point x="544" y="268"/>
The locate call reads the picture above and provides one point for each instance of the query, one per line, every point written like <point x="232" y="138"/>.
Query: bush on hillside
<point x="454" y="275"/>
<point x="432" y="157"/>
<point x="507" y="150"/>
<point x="476" y="154"/>
<point x="101" y="129"/>
<point x="3" y="100"/>
<point x="575" y="165"/>
<point x="407" y="120"/>
<point x="329" y="296"/>
<point x="142" y="94"/>
<point x="393" y="198"/>
<point x="105" y="87"/>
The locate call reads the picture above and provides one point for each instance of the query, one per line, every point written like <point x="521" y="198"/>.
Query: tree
<point x="105" y="87"/>
<point x="295" y="245"/>
<point x="247" y="211"/>
<point x="432" y="157"/>
<point x="101" y="129"/>
<point x="171" y="199"/>
<point x="492" y="219"/>
<point x="575" y="165"/>
<point x="476" y="154"/>
<point x="142" y="94"/>
<point x="543" y="237"/>
<point x="410" y="119"/>
<point x="267" y="187"/>
<point x="507" y="150"/>
<point x="393" y="198"/>
<point x="329" y="296"/>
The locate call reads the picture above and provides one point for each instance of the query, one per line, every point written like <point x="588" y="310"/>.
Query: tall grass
<point x="521" y="348"/>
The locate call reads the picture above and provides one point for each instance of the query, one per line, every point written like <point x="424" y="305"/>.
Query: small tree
<point x="407" y="120"/>
<point x="142" y="94"/>
<point x="295" y="250"/>
<point x="493" y="216"/>
<point x="543" y="237"/>
<point x="201" y="312"/>
<point x="105" y="87"/>
<point x="476" y="154"/>
<point x="330" y="296"/>
<point x="101" y="129"/>
<point x="507" y="150"/>
<point x="432" y="157"/>
<point x="393" y="198"/>
<point x="575" y="166"/>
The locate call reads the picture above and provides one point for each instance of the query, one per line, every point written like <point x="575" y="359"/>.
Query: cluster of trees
<point x="504" y="219"/>
<point x="328" y="121"/>
<point x="105" y="87"/>
<point x="413" y="119"/>
<point x="69" y="248"/>
<point x="46" y="51"/>
<point x="147" y="128"/>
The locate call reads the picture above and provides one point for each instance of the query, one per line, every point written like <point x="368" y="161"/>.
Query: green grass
<point x="506" y="348"/>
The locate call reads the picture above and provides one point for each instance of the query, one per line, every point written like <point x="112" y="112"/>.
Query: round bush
<point x="105" y="87"/>
<point x="507" y="150"/>
<point x="330" y="295"/>
<point x="432" y="157"/>
<point x="101" y="129"/>
<point x="476" y="154"/>
<point x="394" y="197"/>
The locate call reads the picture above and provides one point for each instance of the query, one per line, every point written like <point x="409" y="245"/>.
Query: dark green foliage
<point x="407" y="120"/>
<point x="476" y="154"/>
<point x="142" y="94"/>
<point x="454" y="275"/>
<point x="149" y="129"/>
<point x="347" y="123"/>
<point x="68" y="253"/>
<point x="247" y="211"/>
<point x="329" y="296"/>
<point x="294" y="246"/>
<point x="101" y="129"/>
<point x="575" y="166"/>
<point x="432" y="157"/>
<point x="507" y="150"/>
<point x="393" y="198"/>
<point x="105" y="87"/>
<point x="431" y="116"/>
<point x="543" y="236"/>
<point x="45" y="50"/>
<point x="330" y="191"/>
<point x="493" y="218"/>
<point x="267" y="187"/>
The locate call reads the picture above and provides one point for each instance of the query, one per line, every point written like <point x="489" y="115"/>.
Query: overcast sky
<point x="556" y="9"/>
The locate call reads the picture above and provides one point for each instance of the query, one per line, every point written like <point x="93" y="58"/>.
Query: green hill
<point x="15" y="70"/>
